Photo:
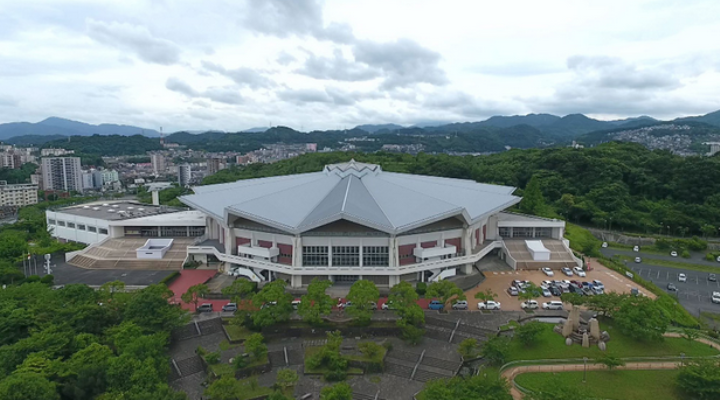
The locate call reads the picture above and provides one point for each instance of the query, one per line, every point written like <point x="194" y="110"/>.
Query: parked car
<point x="552" y="305"/>
<point x="682" y="278"/>
<point x="296" y="303"/>
<point x="673" y="253"/>
<point x="520" y="284"/>
<point x="205" y="307"/>
<point x="488" y="305"/>
<point x="529" y="305"/>
<point x="513" y="291"/>
<point x="547" y="271"/>
<point x="555" y="291"/>
<point x="716" y="297"/>
<point x="349" y="304"/>
<point x="636" y="248"/>
<point x="546" y="292"/>
<point x="586" y="291"/>
<point x="605" y="244"/>
<point x="436" y="305"/>
<point x="638" y="259"/>
<point x="597" y="290"/>
<point x="596" y="283"/>
<point x="576" y="290"/>
<point x="269" y="304"/>
<point x="671" y="286"/>
<point x="388" y="305"/>
<point x="546" y="284"/>
<point x="712" y="278"/>
<point x="717" y="259"/>
<point x="579" y="272"/>
<point x="567" y="271"/>
<point x="460" y="305"/>
<point x="230" y="307"/>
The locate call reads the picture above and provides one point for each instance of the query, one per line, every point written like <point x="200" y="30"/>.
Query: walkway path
<point x="512" y="372"/>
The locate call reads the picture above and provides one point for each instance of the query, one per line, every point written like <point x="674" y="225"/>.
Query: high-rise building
<point x="10" y="160"/>
<point x="184" y="174"/>
<point x="158" y="164"/>
<point x="18" y="195"/>
<point x="62" y="173"/>
<point x="109" y="176"/>
<point x="214" y="164"/>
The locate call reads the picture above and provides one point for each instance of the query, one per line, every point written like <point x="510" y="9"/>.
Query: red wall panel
<point x="426" y="245"/>
<point x="286" y="251"/>
<point x="454" y="242"/>
<point x="405" y="253"/>
<point x="265" y="244"/>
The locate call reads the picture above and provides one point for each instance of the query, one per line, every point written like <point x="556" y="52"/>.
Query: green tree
<point x="605" y="304"/>
<point x="690" y="334"/>
<point x="610" y="361"/>
<point x="12" y="245"/>
<point x="255" y="345"/>
<point x="533" y="201"/>
<point x="287" y="378"/>
<point x="149" y="309"/>
<point x="370" y="349"/>
<point x="444" y="291"/>
<point x="404" y="301"/>
<point x="363" y="296"/>
<point x="573" y="298"/>
<point x="487" y="386"/>
<point x="467" y="348"/>
<point x="528" y="333"/>
<point x="225" y="388"/>
<point x="316" y="304"/>
<point x="275" y="304"/>
<point x="707" y="230"/>
<point x="700" y="379"/>
<point x="340" y="391"/>
<point x="27" y="386"/>
<point x="496" y="350"/>
<point x="531" y="292"/>
<point x="641" y="319"/>
<point x="195" y="293"/>
<point x="239" y="289"/>
<point x="486" y="295"/>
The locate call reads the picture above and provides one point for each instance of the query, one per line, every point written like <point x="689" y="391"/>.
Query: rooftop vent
<point x="86" y="207"/>
<point x="130" y="208"/>
<point x="111" y="210"/>
<point x="115" y="206"/>
<point x="141" y="209"/>
<point x="96" y="208"/>
<point x="105" y="204"/>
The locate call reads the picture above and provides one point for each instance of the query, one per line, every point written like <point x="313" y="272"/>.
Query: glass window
<point x="504" y="231"/>
<point x="70" y="224"/>
<point x="543" y="232"/>
<point x="61" y="223"/>
<point x="315" y="255"/>
<point x="343" y="256"/>
<point x="81" y="227"/>
<point x="375" y="256"/>
<point x="521" y="232"/>
<point x="51" y="222"/>
<point x="197" y="231"/>
<point x="92" y="229"/>
<point x="103" y="231"/>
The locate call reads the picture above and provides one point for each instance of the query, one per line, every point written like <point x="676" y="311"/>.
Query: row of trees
<point x="80" y="343"/>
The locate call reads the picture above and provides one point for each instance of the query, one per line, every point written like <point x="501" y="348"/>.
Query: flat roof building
<point x="18" y="195"/>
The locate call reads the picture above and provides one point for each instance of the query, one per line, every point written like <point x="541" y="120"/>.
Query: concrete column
<point x="394" y="253"/>
<point x="467" y="269"/>
<point x="229" y="241"/>
<point x="296" y="281"/>
<point x="330" y="253"/>
<point x="159" y="232"/>
<point x="467" y="240"/>
<point x="297" y="252"/>
<point x="360" y="260"/>
<point x="393" y="280"/>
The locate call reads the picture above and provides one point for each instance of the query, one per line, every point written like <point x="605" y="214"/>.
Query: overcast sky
<point x="234" y="65"/>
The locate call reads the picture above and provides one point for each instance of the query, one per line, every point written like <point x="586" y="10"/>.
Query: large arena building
<point x="355" y="221"/>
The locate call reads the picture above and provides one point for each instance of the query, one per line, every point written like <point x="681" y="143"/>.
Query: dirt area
<point x="499" y="282"/>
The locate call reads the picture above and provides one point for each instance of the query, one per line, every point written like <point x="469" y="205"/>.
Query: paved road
<point x="66" y="274"/>
<point x="695" y="258"/>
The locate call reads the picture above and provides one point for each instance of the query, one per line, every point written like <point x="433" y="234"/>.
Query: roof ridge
<point x="444" y="181"/>
<point x="347" y="190"/>
<point x="276" y="192"/>
<point x="322" y="199"/>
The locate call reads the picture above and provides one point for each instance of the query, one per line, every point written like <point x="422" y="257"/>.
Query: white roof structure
<point x="357" y="192"/>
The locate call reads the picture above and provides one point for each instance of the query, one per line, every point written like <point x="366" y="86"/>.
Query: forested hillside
<point x="619" y="184"/>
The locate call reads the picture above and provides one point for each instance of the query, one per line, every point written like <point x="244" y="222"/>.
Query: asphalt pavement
<point x="694" y="294"/>
<point x="66" y="274"/>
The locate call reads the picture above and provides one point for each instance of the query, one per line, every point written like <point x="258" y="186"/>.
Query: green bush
<point x="685" y="254"/>
<point x="582" y="241"/>
<point x="170" y="278"/>
<point x="48" y="280"/>
<point x="212" y="358"/>
<point x="421" y="288"/>
<point x="712" y="256"/>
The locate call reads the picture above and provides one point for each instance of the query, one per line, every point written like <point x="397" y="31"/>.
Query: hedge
<point x="170" y="278"/>
<point x="673" y="309"/>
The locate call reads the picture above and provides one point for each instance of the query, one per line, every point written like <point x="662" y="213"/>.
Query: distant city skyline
<point x="337" y="64"/>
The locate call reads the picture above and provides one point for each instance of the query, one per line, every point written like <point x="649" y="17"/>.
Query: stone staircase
<point x="190" y="366"/>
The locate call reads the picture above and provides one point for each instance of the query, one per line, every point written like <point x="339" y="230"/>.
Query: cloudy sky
<point x="234" y="65"/>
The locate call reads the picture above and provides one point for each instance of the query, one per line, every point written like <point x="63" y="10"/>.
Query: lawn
<point x="551" y="345"/>
<point x="673" y="264"/>
<point x="643" y="249"/>
<point x="237" y="332"/>
<point x="614" y="385"/>
<point x="221" y="369"/>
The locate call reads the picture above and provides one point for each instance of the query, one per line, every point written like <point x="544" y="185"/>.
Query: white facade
<point x="55" y="152"/>
<point x="18" y="195"/>
<point x="62" y="173"/>
<point x="158" y="164"/>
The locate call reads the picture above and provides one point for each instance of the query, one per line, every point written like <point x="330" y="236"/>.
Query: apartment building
<point x="62" y="173"/>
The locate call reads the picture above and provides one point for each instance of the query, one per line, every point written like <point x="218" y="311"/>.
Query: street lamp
<point x="585" y="359"/>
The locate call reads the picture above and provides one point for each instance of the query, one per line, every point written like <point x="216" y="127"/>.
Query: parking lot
<point x="499" y="282"/>
<point x="694" y="294"/>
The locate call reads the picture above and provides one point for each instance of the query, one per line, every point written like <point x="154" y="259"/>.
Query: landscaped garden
<point x="615" y="385"/>
<point x="550" y="345"/>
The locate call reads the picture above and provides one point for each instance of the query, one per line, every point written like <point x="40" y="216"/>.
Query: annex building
<point x="355" y="221"/>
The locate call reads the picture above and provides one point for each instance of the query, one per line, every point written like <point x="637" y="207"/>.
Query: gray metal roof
<point x="357" y="192"/>
<point x="117" y="211"/>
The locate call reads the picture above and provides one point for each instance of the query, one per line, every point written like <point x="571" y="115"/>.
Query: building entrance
<point x="345" y="279"/>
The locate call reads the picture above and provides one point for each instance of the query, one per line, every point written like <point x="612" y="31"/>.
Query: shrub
<point x="467" y="348"/>
<point x="239" y="362"/>
<point x="48" y="280"/>
<point x="421" y="288"/>
<point x="685" y="254"/>
<point x="370" y="349"/>
<point x="212" y="358"/>
<point x="529" y="332"/>
<point x="170" y="278"/>
<point x="496" y="350"/>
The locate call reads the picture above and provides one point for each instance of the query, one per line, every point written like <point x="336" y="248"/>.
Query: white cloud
<point x="329" y="64"/>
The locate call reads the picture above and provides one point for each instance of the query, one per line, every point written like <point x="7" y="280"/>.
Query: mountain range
<point x="60" y="127"/>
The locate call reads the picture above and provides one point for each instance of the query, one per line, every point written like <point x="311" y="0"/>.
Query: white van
<point x="553" y="305"/>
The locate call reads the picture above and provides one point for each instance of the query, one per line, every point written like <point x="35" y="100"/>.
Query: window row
<point x="346" y="256"/>
<point x="80" y="227"/>
<point x="524" y="232"/>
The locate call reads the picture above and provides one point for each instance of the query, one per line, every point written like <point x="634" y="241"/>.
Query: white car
<point x="460" y="305"/>
<point x="638" y="259"/>
<point x="716" y="297"/>
<point x="546" y="284"/>
<point x="604" y="245"/>
<point x="636" y="248"/>
<point x="546" y="292"/>
<point x="682" y="278"/>
<point x="567" y="271"/>
<point x="673" y="253"/>
<point x="552" y="305"/>
<point x="579" y="272"/>
<point x="296" y="304"/>
<point x="529" y="305"/>
<point x="488" y="305"/>
<point x="547" y="271"/>
<point x="596" y="283"/>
